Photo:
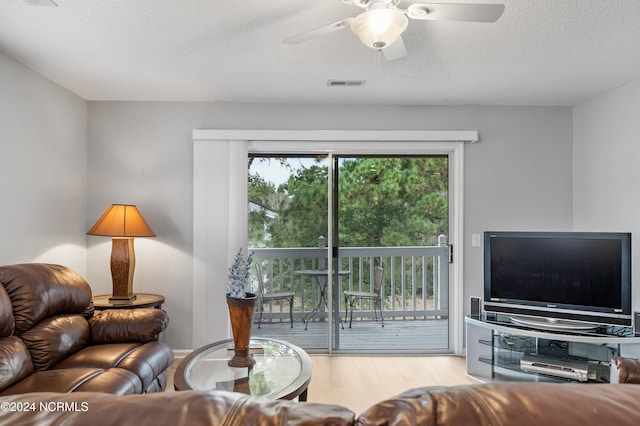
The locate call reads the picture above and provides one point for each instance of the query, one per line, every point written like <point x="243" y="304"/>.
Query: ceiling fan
<point x="382" y="23"/>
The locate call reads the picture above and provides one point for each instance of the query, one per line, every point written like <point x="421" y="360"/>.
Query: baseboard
<point x="181" y="353"/>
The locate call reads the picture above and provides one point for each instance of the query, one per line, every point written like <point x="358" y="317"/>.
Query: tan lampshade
<point x="122" y="220"/>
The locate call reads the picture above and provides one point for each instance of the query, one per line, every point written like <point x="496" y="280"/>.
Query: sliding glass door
<point x="391" y="221"/>
<point x="361" y="242"/>
<point x="288" y="233"/>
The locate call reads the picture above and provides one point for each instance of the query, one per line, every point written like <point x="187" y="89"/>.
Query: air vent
<point x="40" y="3"/>
<point x="345" y="83"/>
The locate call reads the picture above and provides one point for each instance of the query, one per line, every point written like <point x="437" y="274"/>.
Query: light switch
<point x="476" y="241"/>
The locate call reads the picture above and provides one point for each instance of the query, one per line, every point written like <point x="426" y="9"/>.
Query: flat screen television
<point x="559" y="279"/>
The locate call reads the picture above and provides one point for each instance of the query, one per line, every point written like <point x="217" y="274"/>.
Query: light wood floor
<point x="358" y="382"/>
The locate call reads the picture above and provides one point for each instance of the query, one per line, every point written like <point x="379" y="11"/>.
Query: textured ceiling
<point x="540" y="52"/>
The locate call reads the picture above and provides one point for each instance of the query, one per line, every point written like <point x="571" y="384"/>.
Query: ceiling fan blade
<point x="317" y="32"/>
<point x="396" y="51"/>
<point x="455" y="12"/>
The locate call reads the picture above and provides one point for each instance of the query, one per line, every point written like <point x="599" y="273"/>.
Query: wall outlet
<point x="476" y="240"/>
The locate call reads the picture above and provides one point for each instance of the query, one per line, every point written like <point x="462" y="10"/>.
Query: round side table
<point x="143" y="300"/>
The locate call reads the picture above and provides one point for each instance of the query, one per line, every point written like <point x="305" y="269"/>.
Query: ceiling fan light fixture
<point x="379" y="28"/>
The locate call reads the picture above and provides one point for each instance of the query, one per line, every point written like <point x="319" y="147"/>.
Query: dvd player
<point x="574" y="369"/>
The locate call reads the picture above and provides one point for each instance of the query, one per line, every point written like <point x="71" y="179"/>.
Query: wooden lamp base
<point x="123" y="264"/>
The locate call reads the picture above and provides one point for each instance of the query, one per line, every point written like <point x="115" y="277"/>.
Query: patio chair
<point x="350" y="297"/>
<point x="267" y="297"/>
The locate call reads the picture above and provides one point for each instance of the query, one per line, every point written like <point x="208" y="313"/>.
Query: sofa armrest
<point x="127" y="325"/>
<point x="625" y="370"/>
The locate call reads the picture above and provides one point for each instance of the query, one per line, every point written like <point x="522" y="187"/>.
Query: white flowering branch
<point x="239" y="273"/>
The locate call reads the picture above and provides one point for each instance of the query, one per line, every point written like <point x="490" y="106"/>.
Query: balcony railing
<point x="415" y="285"/>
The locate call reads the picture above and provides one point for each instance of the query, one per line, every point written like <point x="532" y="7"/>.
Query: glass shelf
<point x="495" y="351"/>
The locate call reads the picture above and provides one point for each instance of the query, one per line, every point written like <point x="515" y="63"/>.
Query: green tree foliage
<point x="393" y="201"/>
<point x="383" y="202"/>
<point x="259" y="193"/>
<point x="303" y="217"/>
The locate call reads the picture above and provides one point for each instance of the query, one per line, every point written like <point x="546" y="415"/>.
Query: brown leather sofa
<point x="495" y="404"/>
<point x="186" y="408"/>
<point x="517" y="403"/>
<point x="51" y="340"/>
<point x="510" y="403"/>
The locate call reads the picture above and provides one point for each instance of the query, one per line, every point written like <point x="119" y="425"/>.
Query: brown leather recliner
<point x="517" y="403"/>
<point x="51" y="339"/>
<point x="186" y="408"/>
<point x="625" y="370"/>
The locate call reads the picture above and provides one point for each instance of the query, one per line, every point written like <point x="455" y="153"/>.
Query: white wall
<point x="518" y="176"/>
<point x="606" y="169"/>
<point x="606" y="152"/>
<point x="43" y="170"/>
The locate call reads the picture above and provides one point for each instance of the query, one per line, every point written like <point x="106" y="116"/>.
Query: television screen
<point x="567" y="275"/>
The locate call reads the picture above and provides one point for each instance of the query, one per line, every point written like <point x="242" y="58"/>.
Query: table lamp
<point x="123" y="222"/>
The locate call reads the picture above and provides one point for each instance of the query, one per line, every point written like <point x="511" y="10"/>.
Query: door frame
<point x="220" y="180"/>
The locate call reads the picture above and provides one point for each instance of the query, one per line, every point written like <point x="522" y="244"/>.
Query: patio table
<point x="317" y="275"/>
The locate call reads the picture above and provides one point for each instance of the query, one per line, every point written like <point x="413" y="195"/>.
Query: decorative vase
<point x="241" y="315"/>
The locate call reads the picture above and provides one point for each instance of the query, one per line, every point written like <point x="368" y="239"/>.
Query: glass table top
<point x="281" y="371"/>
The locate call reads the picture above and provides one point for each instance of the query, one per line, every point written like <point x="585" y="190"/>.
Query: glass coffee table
<point x="281" y="371"/>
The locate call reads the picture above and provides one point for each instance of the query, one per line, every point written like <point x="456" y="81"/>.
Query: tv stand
<point x="501" y="350"/>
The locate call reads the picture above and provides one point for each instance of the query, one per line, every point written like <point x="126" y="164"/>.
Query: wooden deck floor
<point x="366" y="337"/>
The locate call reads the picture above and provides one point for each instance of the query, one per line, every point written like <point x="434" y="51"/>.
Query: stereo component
<point x="574" y="369"/>
<point x="474" y="310"/>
